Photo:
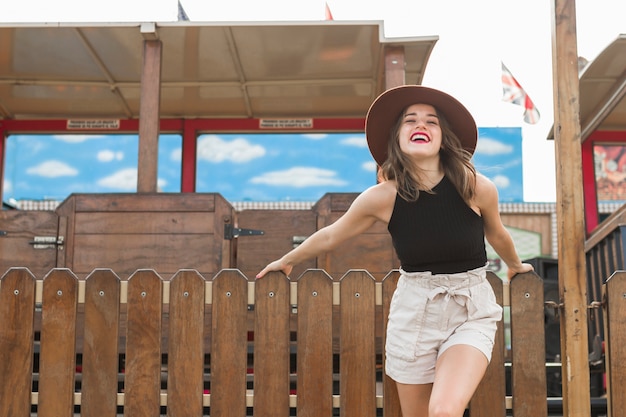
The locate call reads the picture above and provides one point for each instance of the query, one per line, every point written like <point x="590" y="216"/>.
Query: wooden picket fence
<point x="230" y="346"/>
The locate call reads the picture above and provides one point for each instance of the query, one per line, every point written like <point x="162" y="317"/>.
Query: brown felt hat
<point x="385" y="110"/>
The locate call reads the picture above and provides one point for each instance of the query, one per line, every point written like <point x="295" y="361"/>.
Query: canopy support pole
<point x="570" y="212"/>
<point x="149" y="112"/>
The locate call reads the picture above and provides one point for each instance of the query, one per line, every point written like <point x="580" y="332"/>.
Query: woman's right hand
<point x="277" y="265"/>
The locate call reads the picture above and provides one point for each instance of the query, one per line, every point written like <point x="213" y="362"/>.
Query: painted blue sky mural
<point x="240" y="167"/>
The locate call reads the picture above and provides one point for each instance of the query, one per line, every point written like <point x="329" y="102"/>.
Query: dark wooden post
<point x="395" y="75"/>
<point x="149" y="111"/>
<point x="570" y="211"/>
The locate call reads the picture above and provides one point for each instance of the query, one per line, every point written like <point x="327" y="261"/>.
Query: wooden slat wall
<point x="247" y="367"/>
<point x="18" y="228"/>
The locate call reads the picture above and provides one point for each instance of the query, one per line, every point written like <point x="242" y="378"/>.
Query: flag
<point x="514" y="93"/>
<point x="329" y="15"/>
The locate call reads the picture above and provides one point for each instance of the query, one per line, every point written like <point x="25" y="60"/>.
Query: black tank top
<point x="439" y="232"/>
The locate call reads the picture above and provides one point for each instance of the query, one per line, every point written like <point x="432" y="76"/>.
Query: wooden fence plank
<point x="615" y="335"/>
<point x="185" y="362"/>
<point x="271" y="346"/>
<point x="17" y="314"/>
<point x="143" y="345"/>
<point x="391" y="403"/>
<point x="489" y="399"/>
<point x="57" y="361"/>
<point x="229" y="347"/>
<point x="358" y="347"/>
<point x="100" y="365"/>
<point x="315" y="345"/>
<point x="528" y="348"/>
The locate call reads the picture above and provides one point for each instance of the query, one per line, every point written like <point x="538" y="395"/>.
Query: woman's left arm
<point x="486" y="200"/>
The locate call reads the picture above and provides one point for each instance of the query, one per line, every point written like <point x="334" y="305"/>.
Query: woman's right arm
<point x="374" y="204"/>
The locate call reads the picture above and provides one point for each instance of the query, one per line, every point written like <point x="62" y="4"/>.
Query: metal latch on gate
<point x="47" y="242"/>
<point x="231" y="232"/>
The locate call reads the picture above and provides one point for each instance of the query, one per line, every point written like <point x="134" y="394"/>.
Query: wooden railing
<point x="230" y="346"/>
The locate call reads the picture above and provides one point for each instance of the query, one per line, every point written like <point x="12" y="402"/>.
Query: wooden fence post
<point x="391" y="403"/>
<point x="100" y="365"/>
<point x="271" y="346"/>
<point x="315" y="345"/>
<point x="615" y="335"/>
<point x="57" y="361"/>
<point x="142" y="385"/>
<point x="357" y="344"/>
<point x="528" y="373"/>
<point x="17" y="315"/>
<point x="489" y="399"/>
<point x="229" y="345"/>
<point x="185" y="353"/>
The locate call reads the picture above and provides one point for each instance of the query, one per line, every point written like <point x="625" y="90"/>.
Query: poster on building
<point x="610" y="172"/>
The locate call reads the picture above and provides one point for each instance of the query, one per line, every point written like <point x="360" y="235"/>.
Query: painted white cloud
<point x="359" y="142"/>
<point x="488" y="146"/>
<point x="176" y="155"/>
<point x="370" y="166"/>
<point x="315" y="136"/>
<point x="125" y="179"/>
<point x="7" y="186"/>
<point x="76" y="138"/>
<point x="52" y="169"/>
<point x="213" y="149"/>
<point x="299" y="177"/>
<point x="501" y="181"/>
<point x="108" y="156"/>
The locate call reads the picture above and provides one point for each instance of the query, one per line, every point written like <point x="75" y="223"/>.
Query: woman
<point x="438" y="210"/>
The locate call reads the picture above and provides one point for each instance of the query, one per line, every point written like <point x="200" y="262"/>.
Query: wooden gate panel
<point x="57" y="364"/>
<point x="18" y="230"/>
<point x="166" y="254"/>
<point x="358" y="351"/>
<point x="17" y="300"/>
<point x="282" y="230"/>
<point x="100" y="364"/>
<point x="314" y="368"/>
<point x="163" y="232"/>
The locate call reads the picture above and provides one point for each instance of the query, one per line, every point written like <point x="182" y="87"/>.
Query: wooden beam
<point x="395" y="75"/>
<point x="570" y="211"/>
<point x="149" y="113"/>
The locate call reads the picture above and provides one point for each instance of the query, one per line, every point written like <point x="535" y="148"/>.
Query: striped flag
<point x="514" y="93"/>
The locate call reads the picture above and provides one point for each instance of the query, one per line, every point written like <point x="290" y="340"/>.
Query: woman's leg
<point x="414" y="399"/>
<point x="458" y="372"/>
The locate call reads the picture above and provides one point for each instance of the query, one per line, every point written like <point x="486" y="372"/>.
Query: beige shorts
<point x="430" y="313"/>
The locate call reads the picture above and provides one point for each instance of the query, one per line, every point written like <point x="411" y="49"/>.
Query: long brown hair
<point x="455" y="161"/>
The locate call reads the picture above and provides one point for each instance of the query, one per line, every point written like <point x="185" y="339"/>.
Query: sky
<point x="475" y="37"/>
<point x="240" y="167"/>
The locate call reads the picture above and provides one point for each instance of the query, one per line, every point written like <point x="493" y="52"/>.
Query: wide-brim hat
<point x="386" y="109"/>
